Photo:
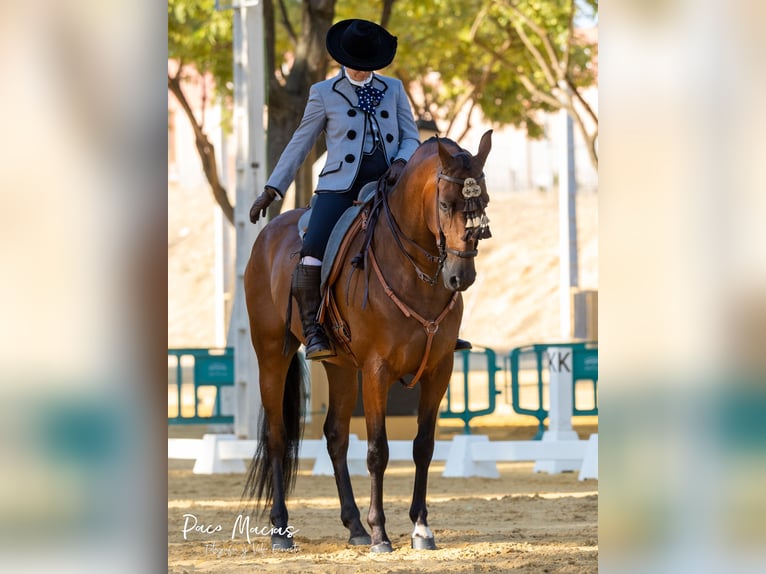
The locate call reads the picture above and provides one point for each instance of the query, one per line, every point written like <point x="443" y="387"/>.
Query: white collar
<point x="354" y="82"/>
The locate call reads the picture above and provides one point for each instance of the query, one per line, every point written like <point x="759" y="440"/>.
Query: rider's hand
<point x="393" y="173"/>
<point x="261" y="203"/>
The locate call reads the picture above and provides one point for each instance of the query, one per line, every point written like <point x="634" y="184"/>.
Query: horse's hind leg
<point x="278" y="454"/>
<point x="267" y="288"/>
<point x="431" y="392"/>
<point x="343" y="395"/>
<point x="275" y="465"/>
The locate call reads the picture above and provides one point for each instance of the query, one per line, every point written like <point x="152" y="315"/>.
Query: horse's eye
<point x="444" y="206"/>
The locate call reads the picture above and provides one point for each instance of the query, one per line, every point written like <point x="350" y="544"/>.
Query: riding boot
<point x="305" y="289"/>
<point x="463" y="345"/>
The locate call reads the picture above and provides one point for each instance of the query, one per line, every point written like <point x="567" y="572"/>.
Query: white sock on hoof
<point x="422" y="531"/>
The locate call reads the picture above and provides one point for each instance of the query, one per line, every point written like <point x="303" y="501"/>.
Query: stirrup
<point x="318" y="349"/>
<point x="463" y="345"/>
<point x="320" y="354"/>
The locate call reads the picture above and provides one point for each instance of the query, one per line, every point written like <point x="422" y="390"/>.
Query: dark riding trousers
<point x="329" y="206"/>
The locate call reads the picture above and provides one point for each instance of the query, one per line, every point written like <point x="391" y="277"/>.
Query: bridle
<point x="442" y="249"/>
<point x="474" y="231"/>
<point x="468" y="182"/>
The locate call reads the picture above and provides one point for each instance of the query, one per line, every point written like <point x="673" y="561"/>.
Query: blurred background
<point x="82" y="296"/>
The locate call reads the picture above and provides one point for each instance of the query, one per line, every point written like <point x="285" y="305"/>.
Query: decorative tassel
<point x="472" y="205"/>
<point x="476" y="220"/>
<point x="484" y="233"/>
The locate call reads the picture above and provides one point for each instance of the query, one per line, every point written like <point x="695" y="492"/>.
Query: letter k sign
<point x="561" y="365"/>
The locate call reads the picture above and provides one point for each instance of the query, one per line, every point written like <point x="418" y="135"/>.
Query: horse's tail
<point x="259" y="484"/>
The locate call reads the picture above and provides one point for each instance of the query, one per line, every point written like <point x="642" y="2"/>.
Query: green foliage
<point x="200" y="36"/>
<point x="452" y="52"/>
<point x="365" y="10"/>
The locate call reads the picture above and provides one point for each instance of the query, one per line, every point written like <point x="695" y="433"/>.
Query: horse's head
<point x="461" y="199"/>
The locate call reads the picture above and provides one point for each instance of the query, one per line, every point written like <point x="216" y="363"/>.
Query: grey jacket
<point x="332" y="108"/>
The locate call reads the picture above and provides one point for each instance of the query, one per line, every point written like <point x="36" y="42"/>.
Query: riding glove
<point x="396" y="169"/>
<point x="261" y="203"/>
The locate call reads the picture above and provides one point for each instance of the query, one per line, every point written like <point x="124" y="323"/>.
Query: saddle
<point x="351" y="223"/>
<point x="341" y="228"/>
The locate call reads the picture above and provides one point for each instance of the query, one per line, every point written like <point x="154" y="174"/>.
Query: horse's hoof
<point x="382" y="547"/>
<point x="419" y="543"/>
<point x="363" y="540"/>
<point x="281" y="543"/>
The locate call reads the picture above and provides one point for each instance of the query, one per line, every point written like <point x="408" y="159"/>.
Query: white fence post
<point x="460" y="462"/>
<point x="209" y="460"/>
<point x="357" y="465"/>
<point x="560" y="367"/>
<point x="589" y="467"/>
<point x="465" y="455"/>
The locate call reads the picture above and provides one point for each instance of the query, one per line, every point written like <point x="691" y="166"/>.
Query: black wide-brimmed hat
<point x="361" y="45"/>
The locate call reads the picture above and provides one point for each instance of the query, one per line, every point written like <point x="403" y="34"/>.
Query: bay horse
<point x="400" y="317"/>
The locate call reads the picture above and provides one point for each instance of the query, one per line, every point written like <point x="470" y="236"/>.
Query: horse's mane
<point x="447" y="141"/>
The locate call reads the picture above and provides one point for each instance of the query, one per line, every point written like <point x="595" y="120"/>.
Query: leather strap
<point x="430" y="327"/>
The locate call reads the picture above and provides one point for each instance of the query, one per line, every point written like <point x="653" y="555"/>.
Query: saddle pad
<point x="366" y="194"/>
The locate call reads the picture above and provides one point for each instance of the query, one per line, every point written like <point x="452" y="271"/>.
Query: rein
<point x="470" y="191"/>
<point x="398" y="235"/>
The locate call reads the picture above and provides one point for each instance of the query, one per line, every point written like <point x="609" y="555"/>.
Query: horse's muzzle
<point x="459" y="277"/>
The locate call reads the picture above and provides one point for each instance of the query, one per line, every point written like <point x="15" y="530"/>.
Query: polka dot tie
<point x="369" y="98"/>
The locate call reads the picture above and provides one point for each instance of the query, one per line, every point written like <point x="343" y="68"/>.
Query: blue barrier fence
<point x="488" y="360"/>
<point x="534" y="357"/>
<point x="212" y="371"/>
<point x="528" y="358"/>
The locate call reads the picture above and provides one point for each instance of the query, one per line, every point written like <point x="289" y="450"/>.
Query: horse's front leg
<point x="343" y="394"/>
<point x="375" y="394"/>
<point x="432" y="389"/>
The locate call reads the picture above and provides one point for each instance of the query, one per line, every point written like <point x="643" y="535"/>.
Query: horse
<point x="401" y="306"/>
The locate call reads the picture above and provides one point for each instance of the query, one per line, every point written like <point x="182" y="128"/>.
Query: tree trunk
<point x="287" y="102"/>
<point x="205" y="149"/>
<point x="385" y="15"/>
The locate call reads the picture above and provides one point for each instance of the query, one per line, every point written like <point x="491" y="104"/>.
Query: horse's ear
<point x="484" y="146"/>
<point x="444" y="155"/>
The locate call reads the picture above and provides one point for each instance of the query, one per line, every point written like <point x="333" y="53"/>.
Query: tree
<point x="552" y="61"/>
<point x="303" y="51"/>
<point x="510" y="62"/>
<point x="509" y="59"/>
<point x="200" y="41"/>
<point x="200" y="45"/>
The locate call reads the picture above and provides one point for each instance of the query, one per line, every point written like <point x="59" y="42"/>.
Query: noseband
<point x="477" y="223"/>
